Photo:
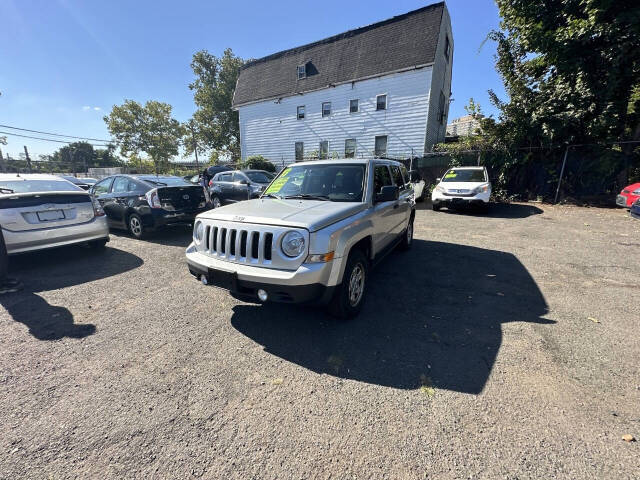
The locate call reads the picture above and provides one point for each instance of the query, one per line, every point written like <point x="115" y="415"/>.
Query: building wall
<point x="271" y="129"/>
<point x="441" y="82"/>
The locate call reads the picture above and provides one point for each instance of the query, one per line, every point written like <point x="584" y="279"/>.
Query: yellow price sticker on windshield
<point x="451" y="174"/>
<point x="279" y="182"/>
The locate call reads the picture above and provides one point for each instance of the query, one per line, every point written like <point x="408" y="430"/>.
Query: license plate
<point x="220" y="279"/>
<point x="50" y="215"/>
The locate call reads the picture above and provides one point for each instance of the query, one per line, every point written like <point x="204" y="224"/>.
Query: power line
<point x="48" y="139"/>
<point x="57" y="134"/>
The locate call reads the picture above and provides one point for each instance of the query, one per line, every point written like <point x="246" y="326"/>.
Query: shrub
<point x="258" y="162"/>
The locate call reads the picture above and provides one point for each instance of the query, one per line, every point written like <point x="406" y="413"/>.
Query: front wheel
<point x="349" y="297"/>
<point x="436" y="207"/>
<point x="216" y="202"/>
<point x="135" y="226"/>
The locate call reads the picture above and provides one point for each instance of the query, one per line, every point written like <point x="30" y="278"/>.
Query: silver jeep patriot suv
<point x="311" y="237"/>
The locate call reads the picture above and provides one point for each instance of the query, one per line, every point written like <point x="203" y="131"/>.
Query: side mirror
<point x="244" y="182"/>
<point x="438" y="180"/>
<point x="388" y="193"/>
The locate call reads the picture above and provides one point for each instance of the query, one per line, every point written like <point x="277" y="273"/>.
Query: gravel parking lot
<point x="501" y="346"/>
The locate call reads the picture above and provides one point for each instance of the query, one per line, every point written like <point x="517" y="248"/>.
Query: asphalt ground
<point x="501" y="346"/>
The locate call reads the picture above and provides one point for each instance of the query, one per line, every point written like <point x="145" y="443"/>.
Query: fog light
<point x="262" y="295"/>
<point x="204" y="280"/>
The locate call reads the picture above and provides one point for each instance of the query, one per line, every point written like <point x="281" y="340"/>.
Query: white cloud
<point x="86" y="107"/>
<point x="97" y="109"/>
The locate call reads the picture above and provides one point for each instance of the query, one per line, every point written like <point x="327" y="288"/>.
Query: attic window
<point x="447" y="47"/>
<point x="302" y="72"/>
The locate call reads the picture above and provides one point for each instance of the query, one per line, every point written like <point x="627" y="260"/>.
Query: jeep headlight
<point x="198" y="232"/>
<point x="293" y="244"/>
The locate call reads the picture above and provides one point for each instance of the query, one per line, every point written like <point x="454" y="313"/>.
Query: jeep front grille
<point x="239" y="245"/>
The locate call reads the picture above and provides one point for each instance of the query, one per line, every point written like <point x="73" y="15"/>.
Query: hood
<point x="632" y="187"/>
<point x="310" y="214"/>
<point x="462" y="185"/>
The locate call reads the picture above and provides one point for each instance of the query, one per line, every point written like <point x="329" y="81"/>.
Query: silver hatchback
<point x="40" y="211"/>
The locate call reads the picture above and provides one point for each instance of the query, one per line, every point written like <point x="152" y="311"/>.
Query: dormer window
<point x="302" y="72"/>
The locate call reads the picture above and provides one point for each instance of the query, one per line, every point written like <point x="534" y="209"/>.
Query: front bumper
<point x="625" y="201"/>
<point x="439" y="198"/>
<point x="308" y="284"/>
<point x="31" y="240"/>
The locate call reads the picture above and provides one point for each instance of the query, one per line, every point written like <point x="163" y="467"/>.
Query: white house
<point x="381" y="90"/>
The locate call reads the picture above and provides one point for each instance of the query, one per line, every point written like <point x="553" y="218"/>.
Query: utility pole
<point x="195" y="144"/>
<point x="72" y="160"/>
<point x="26" y="152"/>
<point x="2" y="169"/>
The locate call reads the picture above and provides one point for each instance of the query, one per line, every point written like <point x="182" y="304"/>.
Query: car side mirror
<point x="388" y="193"/>
<point x="438" y="180"/>
<point x="244" y="182"/>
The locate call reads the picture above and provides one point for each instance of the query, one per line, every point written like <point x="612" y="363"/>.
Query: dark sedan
<point x="141" y="203"/>
<point x="238" y="185"/>
<point x="84" y="183"/>
<point x="635" y="209"/>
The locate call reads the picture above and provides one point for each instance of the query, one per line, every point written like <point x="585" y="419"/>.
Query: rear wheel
<point x="135" y="226"/>
<point x="435" y="207"/>
<point x="349" y="297"/>
<point x="407" y="237"/>
<point x="216" y="202"/>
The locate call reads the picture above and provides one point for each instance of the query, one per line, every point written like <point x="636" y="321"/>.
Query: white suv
<point x="461" y="186"/>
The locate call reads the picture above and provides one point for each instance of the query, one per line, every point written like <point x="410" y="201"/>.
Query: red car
<point x="628" y="195"/>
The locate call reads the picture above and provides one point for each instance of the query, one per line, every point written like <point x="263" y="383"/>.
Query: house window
<point x="381" y="102"/>
<point x="447" y="47"/>
<point x="301" y="112"/>
<point x="353" y="106"/>
<point x="324" y="150"/>
<point x="350" y="148"/>
<point x="381" y="146"/>
<point x="441" y="115"/>
<point x="326" y="109"/>
<point x="299" y="151"/>
<point x="302" y="72"/>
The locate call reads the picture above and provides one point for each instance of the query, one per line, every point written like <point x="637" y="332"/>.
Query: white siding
<point x="271" y="129"/>
<point x="441" y="82"/>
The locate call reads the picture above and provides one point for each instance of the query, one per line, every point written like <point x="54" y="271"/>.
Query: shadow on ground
<point x="433" y="317"/>
<point x="55" y="269"/>
<point x="171" y="236"/>
<point x="496" y="210"/>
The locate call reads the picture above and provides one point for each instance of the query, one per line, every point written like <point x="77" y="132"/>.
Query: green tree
<point x="569" y="68"/>
<point x="217" y="123"/>
<point x="258" y="162"/>
<point x="148" y="129"/>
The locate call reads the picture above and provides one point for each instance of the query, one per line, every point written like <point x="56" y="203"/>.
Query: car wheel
<point x="135" y="226"/>
<point x="407" y="236"/>
<point x="216" y="202"/>
<point x="98" y="244"/>
<point x="436" y="207"/>
<point x="350" y="294"/>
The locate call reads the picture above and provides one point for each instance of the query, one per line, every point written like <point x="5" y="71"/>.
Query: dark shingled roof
<point x="398" y="43"/>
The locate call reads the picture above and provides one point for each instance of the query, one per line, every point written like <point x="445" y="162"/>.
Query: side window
<point x="137" y="186"/>
<point x="121" y="185"/>
<point x="225" y="177"/>
<point x="102" y="186"/>
<point x="405" y="175"/>
<point x="381" y="178"/>
<point x="238" y="177"/>
<point x="397" y="176"/>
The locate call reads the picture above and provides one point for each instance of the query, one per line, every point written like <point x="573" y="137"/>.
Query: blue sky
<point x="65" y="63"/>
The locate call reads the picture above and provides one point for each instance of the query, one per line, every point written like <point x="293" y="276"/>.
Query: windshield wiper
<point x="5" y="190"/>
<point x="270" y="195"/>
<point x="306" y="196"/>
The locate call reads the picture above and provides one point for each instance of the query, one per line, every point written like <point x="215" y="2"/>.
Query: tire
<point x="215" y="201"/>
<point x="98" y="244"/>
<point x="407" y="237"/>
<point x="436" y="208"/>
<point x="135" y="227"/>
<point x="349" y="296"/>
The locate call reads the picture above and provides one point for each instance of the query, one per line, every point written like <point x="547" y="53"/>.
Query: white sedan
<point x="462" y="186"/>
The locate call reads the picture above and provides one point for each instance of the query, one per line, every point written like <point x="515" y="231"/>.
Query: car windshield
<point x="27" y="186"/>
<point x="258" y="177"/>
<point x="464" y="175"/>
<point x="166" y="181"/>
<point x="334" y="182"/>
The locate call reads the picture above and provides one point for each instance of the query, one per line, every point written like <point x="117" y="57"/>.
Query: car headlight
<point x="440" y="189"/>
<point x="293" y="244"/>
<point x="481" y="189"/>
<point x="198" y="232"/>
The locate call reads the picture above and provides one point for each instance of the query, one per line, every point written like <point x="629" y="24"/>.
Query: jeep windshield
<point x="328" y="182"/>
